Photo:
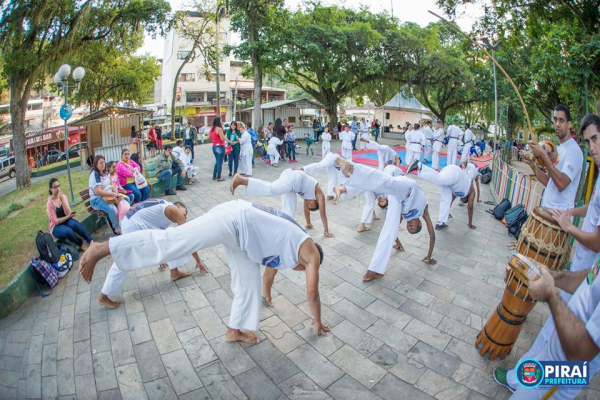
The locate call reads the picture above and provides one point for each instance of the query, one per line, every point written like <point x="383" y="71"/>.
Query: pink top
<point x="116" y="185"/>
<point x="51" y="209"/>
<point x="124" y="173"/>
<point x="216" y="139"/>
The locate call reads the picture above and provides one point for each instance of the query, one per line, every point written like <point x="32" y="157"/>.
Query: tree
<point x="256" y="20"/>
<point x="197" y="29"/>
<point x="116" y="75"/>
<point x="328" y="52"/>
<point x="38" y="34"/>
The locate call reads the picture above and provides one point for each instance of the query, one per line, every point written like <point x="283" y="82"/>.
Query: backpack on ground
<point x="67" y="248"/>
<point x="49" y="251"/>
<point x="43" y="274"/>
<point x="486" y="175"/>
<point x="502" y="207"/>
<point x="514" y="220"/>
<point x="64" y="264"/>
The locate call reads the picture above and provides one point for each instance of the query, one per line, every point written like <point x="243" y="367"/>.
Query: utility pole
<point x="218" y="61"/>
<point x="235" y="99"/>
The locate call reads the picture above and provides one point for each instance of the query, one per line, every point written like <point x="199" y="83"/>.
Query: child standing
<point x="290" y="144"/>
<point x="309" y="141"/>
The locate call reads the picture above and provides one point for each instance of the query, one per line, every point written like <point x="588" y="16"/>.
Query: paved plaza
<point x="409" y="335"/>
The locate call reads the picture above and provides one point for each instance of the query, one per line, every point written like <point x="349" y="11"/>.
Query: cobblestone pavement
<point x="408" y="335"/>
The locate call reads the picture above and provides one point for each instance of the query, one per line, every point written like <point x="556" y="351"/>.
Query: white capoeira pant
<point x="246" y="164"/>
<point x="385" y="154"/>
<point x="290" y="183"/>
<point x="347" y="137"/>
<point x="584" y="304"/>
<point x="191" y="171"/>
<point x="452" y="181"/>
<point x="369" y="207"/>
<point x="237" y="225"/>
<point x="364" y="135"/>
<point x="466" y="152"/>
<point x="115" y="278"/>
<point x="325" y="147"/>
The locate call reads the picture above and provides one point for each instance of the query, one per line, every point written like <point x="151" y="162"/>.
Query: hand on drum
<point x="543" y="288"/>
<point x="537" y="150"/>
<point x="563" y="218"/>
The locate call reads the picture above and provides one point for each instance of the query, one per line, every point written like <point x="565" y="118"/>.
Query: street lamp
<point x="61" y="79"/>
<point x="493" y="47"/>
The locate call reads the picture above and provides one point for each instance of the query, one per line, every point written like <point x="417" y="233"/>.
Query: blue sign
<point x="547" y="374"/>
<point x="65" y="112"/>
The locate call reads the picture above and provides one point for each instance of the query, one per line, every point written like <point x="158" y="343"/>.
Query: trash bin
<point x="83" y="157"/>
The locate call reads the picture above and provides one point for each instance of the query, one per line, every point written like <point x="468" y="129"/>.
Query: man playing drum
<point x="562" y="180"/>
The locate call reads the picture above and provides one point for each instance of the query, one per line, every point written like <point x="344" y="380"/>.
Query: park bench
<point x="102" y="216"/>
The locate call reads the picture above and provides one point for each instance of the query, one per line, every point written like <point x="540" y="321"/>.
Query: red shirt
<point x="216" y="139"/>
<point x="152" y="135"/>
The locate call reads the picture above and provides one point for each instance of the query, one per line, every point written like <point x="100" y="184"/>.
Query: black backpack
<point x="501" y="209"/>
<point x="486" y="175"/>
<point x="514" y="220"/>
<point x="48" y="249"/>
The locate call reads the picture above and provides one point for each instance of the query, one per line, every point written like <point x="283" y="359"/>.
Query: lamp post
<point x="493" y="47"/>
<point x="61" y="79"/>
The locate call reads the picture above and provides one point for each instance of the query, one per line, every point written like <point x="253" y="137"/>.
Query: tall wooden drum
<point x="501" y="331"/>
<point x="544" y="240"/>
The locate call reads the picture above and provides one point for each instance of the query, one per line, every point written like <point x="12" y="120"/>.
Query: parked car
<point x="167" y="132"/>
<point x="73" y="151"/>
<point x="7" y="168"/>
<point x="51" y="157"/>
<point x="227" y="125"/>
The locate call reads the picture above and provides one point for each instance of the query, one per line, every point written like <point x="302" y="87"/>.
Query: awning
<point x="110" y="112"/>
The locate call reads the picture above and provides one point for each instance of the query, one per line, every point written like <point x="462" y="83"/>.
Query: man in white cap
<point x="251" y="235"/>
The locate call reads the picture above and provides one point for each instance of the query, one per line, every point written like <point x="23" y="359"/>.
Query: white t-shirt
<point x="454" y="133"/>
<point x="471" y="170"/>
<point x="326" y="137"/>
<point x="570" y="161"/>
<point x="469" y="136"/>
<point x="302" y="184"/>
<point x="347" y="137"/>
<point x="428" y="133"/>
<point x="414" y="205"/>
<point x="149" y="214"/>
<point x="285" y="236"/>
<point x="584" y="257"/>
<point x="461" y="183"/>
<point x="416" y="140"/>
<point x="385" y="153"/>
<point x="246" y="144"/>
<point x="438" y="137"/>
<point x="178" y="151"/>
<point x="94" y="180"/>
<point x="273" y="143"/>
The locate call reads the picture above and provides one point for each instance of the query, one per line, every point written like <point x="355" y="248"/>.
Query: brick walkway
<point x="408" y="335"/>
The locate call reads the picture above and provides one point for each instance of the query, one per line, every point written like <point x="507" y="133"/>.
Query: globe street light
<point x="61" y="79"/>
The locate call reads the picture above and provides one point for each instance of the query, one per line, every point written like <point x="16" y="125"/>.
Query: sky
<point x="405" y="10"/>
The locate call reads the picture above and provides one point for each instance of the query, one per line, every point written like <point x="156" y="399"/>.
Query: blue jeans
<point x="290" y="150"/>
<point x="315" y="135"/>
<point x="354" y="140"/>
<point x="376" y="133"/>
<point x="253" y="147"/>
<point x="69" y="230"/>
<point x="219" y="153"/>
<point x="234" y="158"/>
<point x="167" y="176"/>
<point x="110" y="209"/>
<point x="189" y="142"/>
<point x="137" y="195"/>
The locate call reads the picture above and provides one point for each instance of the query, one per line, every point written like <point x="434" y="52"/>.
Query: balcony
<point x="224" y="102"/>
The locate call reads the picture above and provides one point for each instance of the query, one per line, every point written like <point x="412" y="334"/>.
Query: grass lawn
<point x="19" y="228"/>
<point x="57" y="164"/>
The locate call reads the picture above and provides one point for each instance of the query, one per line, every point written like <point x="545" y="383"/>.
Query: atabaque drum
<point x="544" y="240"/>
<point x="501" y="331"/>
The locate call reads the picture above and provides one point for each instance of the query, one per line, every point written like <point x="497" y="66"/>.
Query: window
<point x="186" y="78"/>
<point x="212" y="96"/>
<point x="182" y="54"/>
<point x="214" y="77"/>
<point x="194" y="97"/>
<point x="292" y="120"/>
<point x="387" y="115"/>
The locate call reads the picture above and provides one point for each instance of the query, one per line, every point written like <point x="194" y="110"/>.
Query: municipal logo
<point x="530" y="373"/>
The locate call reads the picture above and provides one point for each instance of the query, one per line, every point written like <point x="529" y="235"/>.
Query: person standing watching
<point x="233" y="138"/>
<point x="189" y="136"/>
<point x="354" y="129"/>
<point x="152" y="145"/>
<point x="254" y="139"/>
<point x="218" y="141"/>
<point x="562" y="180"/>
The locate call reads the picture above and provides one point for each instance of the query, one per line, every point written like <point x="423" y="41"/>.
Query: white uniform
<point x="428" y="133"/>
<point x="570" y="161"/>
<point x="407" y="140"/>
<point x="347" y="137"/>
<point x="584" y="257"/>
<point x="468" y="139"/>
<point x="178" y="151"/>
<point x="584" y="304"/>
<point x="385" y="154"/>
<point x="411" y="207"/>
<point x="246" y="153"/>
<point x="272" y="149"/>
<point x="291" y="182"/>
<point x="149" y="214"/>
<point x="452" y="181"/>
<point x="438" y="141"/>
<point x="415" y="145"/>
<point x="454" y="135"/>
<point x="326" y="145"/>
<point x="237" y="225"/>
<point x="190" y="169"/>
<point x="364" y="134"/>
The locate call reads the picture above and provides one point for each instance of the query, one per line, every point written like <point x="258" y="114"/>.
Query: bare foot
<point x="163" y="266"/>
<point x="235" y="335"/>
<point x="398" y="246"/>
<point x="338" y="190"/>
<point x="235" y="182"/>
<point x="329" y="197"/>
<point x="346" y="167"/>
<point x="202" y="268"/>
<point x="268" y="299"/>
<point x="363" y="228"/>
<point x="90" y="258"/>
<point x="177" y="274"/>
<point x="376" y="218"/>
<point x="370" y="275"/>
<point x="472" y="226"/>
<point x="106" y="302"/>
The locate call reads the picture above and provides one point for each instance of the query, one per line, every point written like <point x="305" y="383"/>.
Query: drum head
<point x="544" y="214"/>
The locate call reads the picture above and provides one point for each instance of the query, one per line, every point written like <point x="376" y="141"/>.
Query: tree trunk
<point x="332" y="113"/>
<point x="18" y="107"/>
<point x="257" y="75"/>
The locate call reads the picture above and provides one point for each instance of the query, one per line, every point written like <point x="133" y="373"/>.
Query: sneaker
<point x="181" y="187"/>
<point x="414" y="166"/>
<point x="170" y="192"/>
<point x="441" y="225"/>
<point x="501" y="379"/>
